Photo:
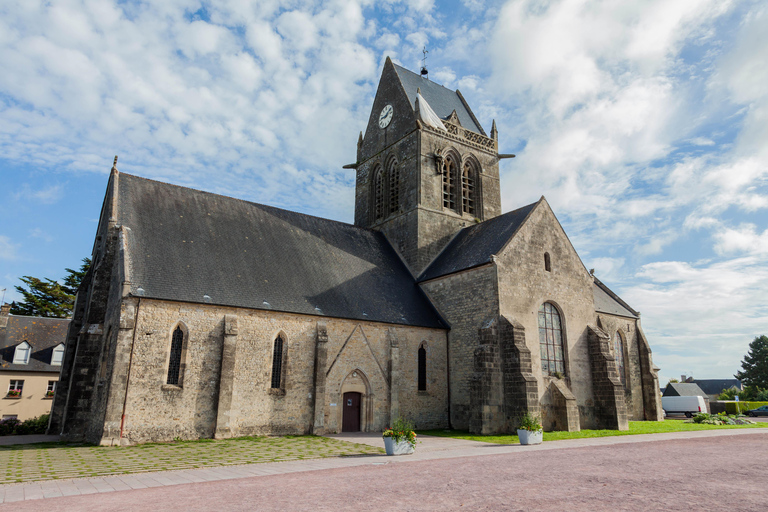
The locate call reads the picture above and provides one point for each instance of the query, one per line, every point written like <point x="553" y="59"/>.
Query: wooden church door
<point x="350" y="420"/>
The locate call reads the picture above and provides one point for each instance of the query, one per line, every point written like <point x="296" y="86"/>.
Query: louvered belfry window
<point x="551" y="340"/>
<point x="468" y="189"/>
<point x="422" y="369"/>
<point x="277" y="362"/>
<point x="394" y="187"/>
<point x="449" y="183"/>
<point x="618" y="348"/>
<point x="174" y="363"/>
<point x="378" y="194"/>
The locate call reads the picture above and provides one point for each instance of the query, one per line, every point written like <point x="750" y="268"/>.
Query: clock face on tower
<point x="386" y="116"/>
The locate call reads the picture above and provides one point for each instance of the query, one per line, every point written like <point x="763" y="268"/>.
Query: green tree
<point x="49" y="298"/>
<point x="754" y="367"/>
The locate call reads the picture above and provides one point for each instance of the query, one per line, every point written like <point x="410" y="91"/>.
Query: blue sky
<point x="643" y="123"/>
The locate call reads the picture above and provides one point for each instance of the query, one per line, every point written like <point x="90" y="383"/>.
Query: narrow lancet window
<point x="618" y="349"/>
<point x="277" y="363"/>
<point x="422" y="369"/>
<point x="174" y="363"/>
<point x="468" y="189"/>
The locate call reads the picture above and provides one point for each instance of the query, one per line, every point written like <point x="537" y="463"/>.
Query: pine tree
<point x="49" y="298"/>
<point x="755" y="364"/>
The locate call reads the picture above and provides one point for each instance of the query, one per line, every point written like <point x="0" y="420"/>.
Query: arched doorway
<point x="350" y="420"/>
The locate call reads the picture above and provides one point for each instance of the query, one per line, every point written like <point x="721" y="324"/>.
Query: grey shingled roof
<point x="43" y="334"/>
<point x="474" y="245"/>
<point x="717" y="386"/>
<point x="608" y="302"/>
<point x="184" y="244"/>
<point x="442" y="100"/>
<point x="683" y="389"/>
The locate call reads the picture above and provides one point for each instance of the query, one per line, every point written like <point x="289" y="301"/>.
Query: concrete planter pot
<point x="530" y="436"/>
<point x="397" y="448"/>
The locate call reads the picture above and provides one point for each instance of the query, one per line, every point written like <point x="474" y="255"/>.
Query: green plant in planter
<point x="402" y="430"/>
<point x="529" y="422"/>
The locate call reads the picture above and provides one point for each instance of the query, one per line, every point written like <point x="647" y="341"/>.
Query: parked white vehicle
<point x="688" y="405"/>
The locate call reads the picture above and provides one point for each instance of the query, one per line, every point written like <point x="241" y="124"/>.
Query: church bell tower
<point x="425" y="167"/>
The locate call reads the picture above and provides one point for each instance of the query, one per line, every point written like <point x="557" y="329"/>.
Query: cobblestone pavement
<point x="708" y="470"/>
<point x="48" y="461"/>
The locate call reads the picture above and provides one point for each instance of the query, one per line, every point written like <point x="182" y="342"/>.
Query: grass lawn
<point x="635" y="427"/>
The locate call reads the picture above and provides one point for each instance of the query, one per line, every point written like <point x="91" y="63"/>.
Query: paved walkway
<point x="430" y="449"/>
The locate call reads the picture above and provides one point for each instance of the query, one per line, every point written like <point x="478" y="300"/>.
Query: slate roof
<point x="184" y="244"/>
<point x="442" y="100"/>
<point x="683" y="389"/>
<point x="474" y="245"/>
<point x="608" y="302"/>
<point x="43" y="334"/>
<point x="717" y="386"/>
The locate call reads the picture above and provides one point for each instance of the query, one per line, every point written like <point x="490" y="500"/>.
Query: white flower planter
<point x="530" y="437"/>
<point x="399" y="448"/>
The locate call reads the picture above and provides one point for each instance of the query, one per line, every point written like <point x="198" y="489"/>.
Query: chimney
<point x="5" y="310"/>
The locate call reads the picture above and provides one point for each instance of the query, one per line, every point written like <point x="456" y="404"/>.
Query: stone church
<point x="205" y="316"/>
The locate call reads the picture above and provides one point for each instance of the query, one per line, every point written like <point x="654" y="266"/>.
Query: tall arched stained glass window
<point x="422" y="369"/>
<point x="174" y="362"/>
<point x="551" y="340"/>
<point x="618" y="351"/>
<point x="277" y="363"/>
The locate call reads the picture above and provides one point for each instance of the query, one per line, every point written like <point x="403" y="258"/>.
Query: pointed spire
<point x="114" y="166"/>
<point x="360" y="147"/>
<point x="494" y="131"/>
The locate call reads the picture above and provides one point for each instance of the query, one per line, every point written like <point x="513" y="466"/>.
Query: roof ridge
<point x="123" y="174"/>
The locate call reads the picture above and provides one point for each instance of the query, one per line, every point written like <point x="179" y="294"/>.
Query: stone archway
<point x="357" y="382"/>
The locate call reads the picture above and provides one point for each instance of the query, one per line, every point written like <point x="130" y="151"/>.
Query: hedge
<point x="730" y="407"/>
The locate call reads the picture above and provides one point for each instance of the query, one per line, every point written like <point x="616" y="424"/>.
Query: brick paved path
<point x="644" y="472"/>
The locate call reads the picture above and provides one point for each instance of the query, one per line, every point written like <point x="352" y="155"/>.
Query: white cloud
<point x="745" y="239"/>
<point x="46" y="195"/>
<point x="7" y="248"/>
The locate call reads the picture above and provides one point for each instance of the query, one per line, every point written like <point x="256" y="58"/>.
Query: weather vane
<point x="424" y="71"/>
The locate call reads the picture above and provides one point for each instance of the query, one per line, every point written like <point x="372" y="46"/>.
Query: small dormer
<point x="22" y="352"/>
<point x="57" y="356"/>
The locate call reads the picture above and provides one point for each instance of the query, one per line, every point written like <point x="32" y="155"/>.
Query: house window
<point x="58" y="355"/>
<point x="422" y="369"/>
<point x="51" y="389"/>
<point x="449" y="183"/>
<point x="277" y="363"/>
<point x="551" y="340"/>
<point x="547" y="262"/>
<point x="618" y="349"/>
<point x="378" y="194"/>
<point x="468" y="179"/>
<point x="174" y="362"/>
<point x="15" y="388"/>
<point x="21" y="354"/>
<point x="394" y="186"/>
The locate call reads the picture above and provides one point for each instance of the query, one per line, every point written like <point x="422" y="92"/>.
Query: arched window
<point x="547" y="263"/>
<point x="277" y="363"/>
<point x="618" y="350"/>
<point x="378" y="194"/>
<point x="21" y="354"/>
<point x="174" y="362"/>
<point x="551" y="340"/>
<point x="449" y="182"/>
<point x="422" y="369"/>
<point x="468" y="180"/>
<point x="394" y="186"/>
<point x="58" y="355"/>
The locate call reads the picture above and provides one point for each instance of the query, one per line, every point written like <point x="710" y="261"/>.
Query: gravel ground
<point x="720" y="473"/>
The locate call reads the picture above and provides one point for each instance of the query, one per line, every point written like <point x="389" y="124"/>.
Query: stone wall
<point x="465" y="300"/>
<point x="226" y="384"/>
<point x="633" y="381"/>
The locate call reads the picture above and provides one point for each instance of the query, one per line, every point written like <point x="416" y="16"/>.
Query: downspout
<point x="130" y="364"/>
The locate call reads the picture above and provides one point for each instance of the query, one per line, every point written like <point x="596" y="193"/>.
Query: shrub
<point x="720" y="419"/>
<point x="14" y="427"/>
<point x="529" y="422"/>
<point x="402" y="430"/>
